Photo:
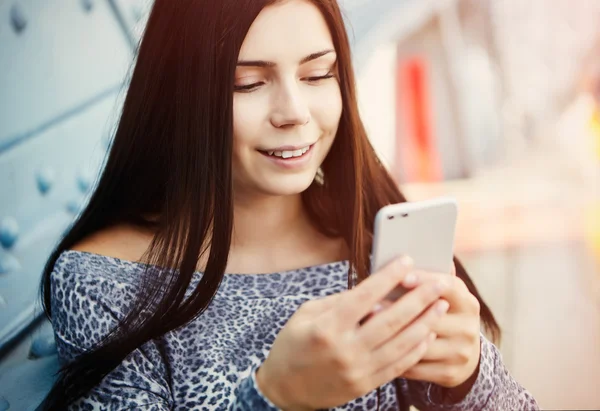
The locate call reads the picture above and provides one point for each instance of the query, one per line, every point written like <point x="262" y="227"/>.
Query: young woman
<point x="222" y="261"/>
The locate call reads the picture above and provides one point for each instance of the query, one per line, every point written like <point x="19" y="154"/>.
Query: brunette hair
<point x="171" y="157"/>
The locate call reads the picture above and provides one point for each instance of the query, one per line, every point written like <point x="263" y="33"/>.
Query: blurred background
<point x="496" y="103"/>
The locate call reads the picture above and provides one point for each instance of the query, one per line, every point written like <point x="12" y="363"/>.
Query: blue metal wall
<point x="62" y="68"/>
<point x="62" y="65"/>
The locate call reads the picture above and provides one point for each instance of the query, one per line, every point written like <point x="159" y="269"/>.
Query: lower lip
<point x="292" y="162"/>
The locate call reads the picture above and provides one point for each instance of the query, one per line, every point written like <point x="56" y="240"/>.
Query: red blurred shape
<point x="417" y="157"/>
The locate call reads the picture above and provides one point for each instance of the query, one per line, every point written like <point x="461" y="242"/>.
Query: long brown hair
<point x="171" y="157"/>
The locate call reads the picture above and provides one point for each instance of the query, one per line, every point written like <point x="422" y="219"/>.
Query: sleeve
<point x="494" y="389"/>
<point x="86" y="308"/>
<point x="250" y="398"/>
<point x="83" y="312"/>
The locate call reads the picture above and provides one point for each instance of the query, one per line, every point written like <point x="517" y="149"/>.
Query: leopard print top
<point x="210" y="363"/>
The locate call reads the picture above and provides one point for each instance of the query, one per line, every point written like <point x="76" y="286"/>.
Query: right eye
<point x="248" y="88"/>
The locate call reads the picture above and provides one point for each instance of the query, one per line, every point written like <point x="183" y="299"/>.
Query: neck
<point x="268" y="221"/>
<point x="274" y="234"/>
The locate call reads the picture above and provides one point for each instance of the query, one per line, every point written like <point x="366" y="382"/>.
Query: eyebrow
<point x="262" y="63"/>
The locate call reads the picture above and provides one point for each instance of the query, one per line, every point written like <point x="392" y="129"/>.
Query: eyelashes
<point x="315" y="79"/>
<point x="248" y="88"/>
<point x="251" y="87"/>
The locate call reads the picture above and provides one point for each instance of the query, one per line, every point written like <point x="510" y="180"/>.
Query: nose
<point x="289" y="108"/>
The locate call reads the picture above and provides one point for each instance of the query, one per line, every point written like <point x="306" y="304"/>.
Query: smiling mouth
<point x="287" y="154"/>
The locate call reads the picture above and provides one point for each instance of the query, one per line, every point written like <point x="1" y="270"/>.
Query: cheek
<point x="328" y="110"/>
<point x="245" y="123"/>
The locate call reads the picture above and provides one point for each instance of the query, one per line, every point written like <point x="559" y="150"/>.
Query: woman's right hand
<point x="325" y="356"/>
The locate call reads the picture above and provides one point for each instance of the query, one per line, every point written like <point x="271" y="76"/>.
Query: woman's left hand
<point x="453" y="358"/>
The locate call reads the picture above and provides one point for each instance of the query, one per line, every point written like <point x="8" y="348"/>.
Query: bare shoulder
<point x="123" y="241"/>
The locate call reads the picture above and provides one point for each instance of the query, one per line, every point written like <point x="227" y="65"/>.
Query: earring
<point x="320" y="177"/>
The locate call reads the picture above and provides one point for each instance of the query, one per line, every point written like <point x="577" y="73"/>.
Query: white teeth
<point x="289" y="154"/>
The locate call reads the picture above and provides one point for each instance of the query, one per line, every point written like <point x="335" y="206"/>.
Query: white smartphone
<point x="423" y="230"/>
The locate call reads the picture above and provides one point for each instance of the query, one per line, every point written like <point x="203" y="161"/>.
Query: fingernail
<point x="406" y="261"/>
<point x="442" y="306"/>
<point x="409" y="280"/>
<point x="378" y="307"/>
<point x="432" y="337"/>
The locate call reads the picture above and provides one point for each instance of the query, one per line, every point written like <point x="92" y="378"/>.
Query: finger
<point x="440" y="350"/>
<point x="457" y="325"/>
<point x="386" y="324"/>
<point x="458" y="295"/>
<point x="436" y="372"/>
<point x="397" y="347"/>
<point x="417" y="277"/>
<point x="449" y="351"/>
<point x="400" y="366"/>
<point x="360" y="301"/>
<point x="382" y="305"/>
<point x="460" y="298"/>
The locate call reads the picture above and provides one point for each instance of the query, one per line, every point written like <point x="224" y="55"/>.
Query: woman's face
<point x="287" y="103"/>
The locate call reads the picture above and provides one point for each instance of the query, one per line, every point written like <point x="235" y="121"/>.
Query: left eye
<point x="314" y="79"/>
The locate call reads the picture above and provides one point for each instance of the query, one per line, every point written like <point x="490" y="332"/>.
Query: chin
<point x="288" y="185"/>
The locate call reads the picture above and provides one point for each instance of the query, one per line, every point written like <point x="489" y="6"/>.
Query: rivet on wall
<point x="9" y="232"/>
<point x="84" y="180"/>
<point x="4" y="405"/>
<point x="43" y="346"/>
<point x="73" y="206"/>
<point x="17" y="18"/>
<point x="88" y="5"/>
<point x="8" y="264"/>
<point x="45" y="179"/>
